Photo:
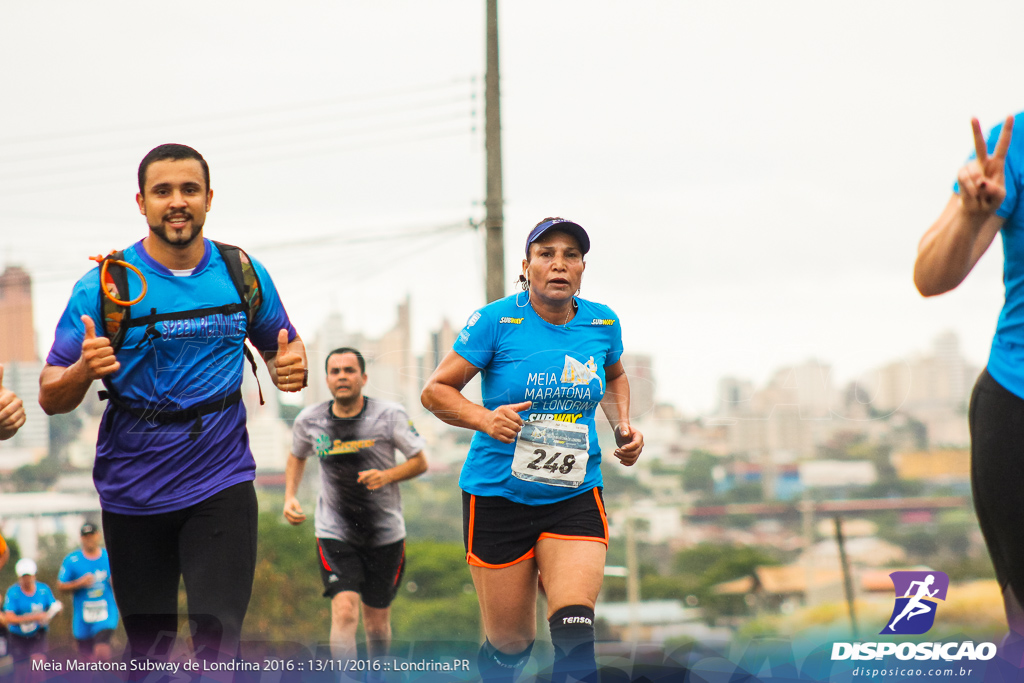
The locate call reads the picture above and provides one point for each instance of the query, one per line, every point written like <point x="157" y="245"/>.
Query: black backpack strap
<point x="115" y="316"/>
<point x="243" y="276"/>
<point x="194" y="414"/>
<point x="247" y="284"/>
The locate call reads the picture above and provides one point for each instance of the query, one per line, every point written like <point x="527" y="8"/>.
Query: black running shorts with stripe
<point x="373" y="572"/>
<point x="499" y="532"/>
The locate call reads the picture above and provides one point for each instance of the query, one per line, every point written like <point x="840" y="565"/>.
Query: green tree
<point x="287" y="603"/>
<point x="438" y="570"/>
<point x="430" y="504"/>
<point x="38" y="476"/>
<point x="715" y="563"/>
<point x="668" y="587"/>
<point x="841" y="444"/>
<point x="437" y="601"/>
<point x="618" y="484"/>
<point x="64" y="428"/>
<point x="697" y="473"/>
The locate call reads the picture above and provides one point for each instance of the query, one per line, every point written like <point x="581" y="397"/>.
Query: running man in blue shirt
<point x="173" y="466"/>
<point x="86" y="573"/>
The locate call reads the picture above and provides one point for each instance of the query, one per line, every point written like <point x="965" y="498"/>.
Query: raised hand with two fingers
<point x="982" y="180"/>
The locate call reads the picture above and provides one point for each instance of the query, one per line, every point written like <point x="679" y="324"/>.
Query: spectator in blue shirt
<point x="28" y="608"/>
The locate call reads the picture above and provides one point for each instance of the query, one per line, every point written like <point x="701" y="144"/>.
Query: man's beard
<point x="160" y="230"/>
<point x="347" y="401"/>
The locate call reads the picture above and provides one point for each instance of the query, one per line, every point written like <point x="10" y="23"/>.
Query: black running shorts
<point x="499" y="532"/>
<point x="23" y="647"/>
<point x="997" y="477"/>
<point x="375" y="573"/>
<point x="87" y="646"/>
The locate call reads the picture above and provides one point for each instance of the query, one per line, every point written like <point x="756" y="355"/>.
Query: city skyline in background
<point x="399" y="363"/>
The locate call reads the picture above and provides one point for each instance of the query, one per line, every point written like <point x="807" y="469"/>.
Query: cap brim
<point x="574" y="229"/>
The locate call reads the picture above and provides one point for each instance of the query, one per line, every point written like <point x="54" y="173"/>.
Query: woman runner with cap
<point x="532" y="482"/>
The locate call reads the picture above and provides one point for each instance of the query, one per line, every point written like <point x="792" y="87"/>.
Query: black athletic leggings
<point x="997" y="481"/>
<point x="212" y="544"/>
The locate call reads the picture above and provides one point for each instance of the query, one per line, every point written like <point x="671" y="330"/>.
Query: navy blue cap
<point x="574" y="229"/>
<point x="88" y="528"/>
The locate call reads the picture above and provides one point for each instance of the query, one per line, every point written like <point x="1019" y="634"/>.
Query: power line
<point x="242" y="113"/>
<point x="305" y="138"/>
<point x="377" y="267"/>
<point x="354" y="237"/>
<point x="121" y="176"/>
<point x="231" y="130"/>
<point x="360" y="237"/>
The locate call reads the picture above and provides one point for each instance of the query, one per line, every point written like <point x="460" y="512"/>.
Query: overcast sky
<point x="755" y="176"/>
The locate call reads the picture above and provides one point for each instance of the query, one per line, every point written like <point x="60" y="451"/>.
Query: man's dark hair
<point x="171" y="151"/>
<point x="346" y="349"/>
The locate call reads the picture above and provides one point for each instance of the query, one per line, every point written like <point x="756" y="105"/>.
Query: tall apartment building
<point x="21" y="368"/>
<point x="393" y="371"/>
<point x="933" y="387"/>
<point x="17" y="332"/>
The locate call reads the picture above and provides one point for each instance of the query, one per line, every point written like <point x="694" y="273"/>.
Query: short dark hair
<point x="171" y="151"/>
<point x="346" y="349"/>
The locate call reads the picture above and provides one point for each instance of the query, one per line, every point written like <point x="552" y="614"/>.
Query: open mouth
<point x="178" y="220"/>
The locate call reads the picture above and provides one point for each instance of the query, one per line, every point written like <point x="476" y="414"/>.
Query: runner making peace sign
<point x="987" y="201"/>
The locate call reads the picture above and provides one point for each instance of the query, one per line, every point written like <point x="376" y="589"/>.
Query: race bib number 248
<point x="553" y="453"/>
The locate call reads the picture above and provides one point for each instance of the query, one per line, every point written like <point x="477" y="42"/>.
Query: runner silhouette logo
<point x="916" y="595"/>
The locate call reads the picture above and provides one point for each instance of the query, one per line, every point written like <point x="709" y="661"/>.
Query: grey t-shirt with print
<point x="346" y="510"/>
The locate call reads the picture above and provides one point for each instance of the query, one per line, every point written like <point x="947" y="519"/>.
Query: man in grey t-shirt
<point x="359" y="526"/>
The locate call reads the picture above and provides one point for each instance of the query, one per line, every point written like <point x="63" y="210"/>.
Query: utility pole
<point x="806" y="508"/>
<point x="847" y="578"/>
<point x="494" y="222"/>
<point x="632" y="580"/>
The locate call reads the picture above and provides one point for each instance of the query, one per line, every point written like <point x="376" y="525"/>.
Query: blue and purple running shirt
<point x="176" y="363"/>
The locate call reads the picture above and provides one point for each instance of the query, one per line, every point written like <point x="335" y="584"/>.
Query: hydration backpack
<point x="117" y="319"/>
